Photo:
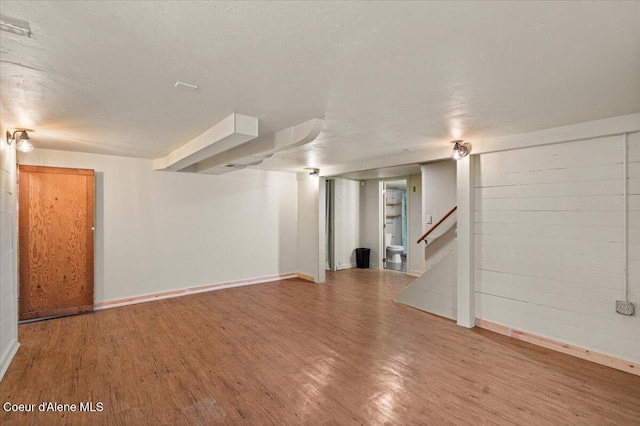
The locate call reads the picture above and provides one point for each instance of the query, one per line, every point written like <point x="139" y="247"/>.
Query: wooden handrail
<point x="426" y="234"/>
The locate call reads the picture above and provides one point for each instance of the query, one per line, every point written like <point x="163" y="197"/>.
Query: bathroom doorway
<point x="394" y="226"/>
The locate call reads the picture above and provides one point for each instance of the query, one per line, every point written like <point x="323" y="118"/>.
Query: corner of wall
<point x="7" y="357"/>
<point x="8" y="271"/>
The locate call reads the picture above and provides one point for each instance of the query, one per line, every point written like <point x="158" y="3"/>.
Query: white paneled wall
<point x="549" y="242"/>
<point x="8" y="272"/>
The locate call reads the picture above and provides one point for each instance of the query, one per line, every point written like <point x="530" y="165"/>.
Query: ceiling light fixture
<point x="22" y="140"/>
<point x="460" y="150"/>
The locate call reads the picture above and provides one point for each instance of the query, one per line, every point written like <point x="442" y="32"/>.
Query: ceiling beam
<point x="256" y="151"/>
<point x="403" y="159"/>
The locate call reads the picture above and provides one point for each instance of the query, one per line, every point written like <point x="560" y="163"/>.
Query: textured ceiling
<point x="99" y="76"/>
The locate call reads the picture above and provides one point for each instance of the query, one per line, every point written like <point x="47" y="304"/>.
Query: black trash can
<point x="362" y="257"/>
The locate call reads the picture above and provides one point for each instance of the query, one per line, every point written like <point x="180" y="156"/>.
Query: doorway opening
<point x="394" y="226"/>
<point x="329" y="261"/>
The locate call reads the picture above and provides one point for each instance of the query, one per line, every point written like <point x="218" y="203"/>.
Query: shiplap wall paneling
<point x="549" y="245"/>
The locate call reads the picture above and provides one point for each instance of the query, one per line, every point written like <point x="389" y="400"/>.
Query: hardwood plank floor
<point x="293" y="352"/>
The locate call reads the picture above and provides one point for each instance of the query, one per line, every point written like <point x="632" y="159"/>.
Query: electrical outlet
<point x="625" y="308"/>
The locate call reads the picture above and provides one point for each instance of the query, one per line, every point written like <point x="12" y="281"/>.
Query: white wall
<point x="8" y="255"/>
<point x="435" y="290"/>
<point x="346" y="222"/>
<point x="370" y="228"/>
<point x="415" y="254"/>
<point x="160" y="231"/>
<point x="549" y="242"/>
<point x="308" y="222"/>
<point x="438" y="197"/>
<point x="438" y="189"/>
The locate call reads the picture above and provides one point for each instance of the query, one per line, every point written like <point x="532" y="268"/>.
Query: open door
<point x="56" y="224"/>
<point x="330" y="262"/>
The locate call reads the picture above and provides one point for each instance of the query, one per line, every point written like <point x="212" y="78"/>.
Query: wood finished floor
<point x="293" y="352"/>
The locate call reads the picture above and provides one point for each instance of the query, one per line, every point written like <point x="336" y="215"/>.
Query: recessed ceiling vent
<point x="183" y="85"/>
<point x="15" y="26"/>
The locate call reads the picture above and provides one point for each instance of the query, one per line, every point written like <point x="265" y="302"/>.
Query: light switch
<point x="429" y="219"/>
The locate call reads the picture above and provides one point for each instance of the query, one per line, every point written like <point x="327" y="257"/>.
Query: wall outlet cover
<point x="625" y="308"/>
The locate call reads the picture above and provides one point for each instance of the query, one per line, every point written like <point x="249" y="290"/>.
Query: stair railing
<point x="426" y="234"/>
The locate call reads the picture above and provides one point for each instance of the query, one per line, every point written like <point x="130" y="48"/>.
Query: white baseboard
<point x="7" y="357"/>
<point x="305" y="277"/>
<point x="346" y="266"/>
<point x="579" y="352"/>
<point x="466" y="324"/>
<point x="191" y="290"/>
<point x="415" y="273"/>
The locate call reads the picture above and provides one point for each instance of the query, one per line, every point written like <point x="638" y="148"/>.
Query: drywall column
<point x="310" y="261"/>
<point x="466" y="218"/>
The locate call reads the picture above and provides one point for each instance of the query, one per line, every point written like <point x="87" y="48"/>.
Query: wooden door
<point x="56" y="219"/>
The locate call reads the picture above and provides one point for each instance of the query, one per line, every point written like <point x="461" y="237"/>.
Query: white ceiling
<point x="386" y="77"/>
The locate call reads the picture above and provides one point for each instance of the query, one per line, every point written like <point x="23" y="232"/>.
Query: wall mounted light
<point x="21" y="137"/>
<point x="460" y="150"/>
<point x="314" y="172"/>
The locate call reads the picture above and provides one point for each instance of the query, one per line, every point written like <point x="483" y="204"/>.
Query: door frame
<point x="330" y="224"/>
<point x="382" y="219"/>
<point x="23" y="237"/>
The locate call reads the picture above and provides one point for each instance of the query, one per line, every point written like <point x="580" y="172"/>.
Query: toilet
<point x="394" y="261"/>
